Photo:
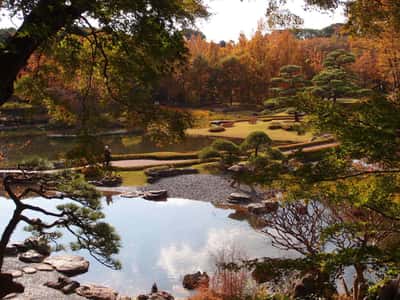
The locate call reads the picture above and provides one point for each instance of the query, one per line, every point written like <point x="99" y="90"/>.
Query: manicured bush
<point x="208" y="152"/>
<point x="256" y="141"/>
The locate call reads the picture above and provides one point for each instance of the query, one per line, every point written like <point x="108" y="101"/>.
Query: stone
<point x="69" y="265"/>
<point x="11" y="250"/>
<point x="44" y="267"/>
<point x="29" y="270"/>
<point x="31" y="256"/>
<point x="160" y="195"/>
<point x="124" y="298"/>
<point x="15" y="273"/>
<point x="142" y="297"/>
<point x="61" y="282"/>
<point x="70" y="287"/>
<point x="8" y="286"/>
<point x="97" y="292"/>
<point x="196" y="280"/>
<point x="238" y="198"/>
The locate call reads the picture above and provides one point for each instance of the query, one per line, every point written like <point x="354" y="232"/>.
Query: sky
<point x="231" y="17"/>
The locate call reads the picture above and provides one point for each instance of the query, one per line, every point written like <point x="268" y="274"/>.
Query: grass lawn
<point x="133" y="178"/>
<point x="243" y="129"/>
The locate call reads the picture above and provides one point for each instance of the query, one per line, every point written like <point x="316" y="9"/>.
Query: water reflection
<point x="162" y="241"/>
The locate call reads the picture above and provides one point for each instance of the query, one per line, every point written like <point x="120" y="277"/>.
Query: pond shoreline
<point x="198" y="187"/>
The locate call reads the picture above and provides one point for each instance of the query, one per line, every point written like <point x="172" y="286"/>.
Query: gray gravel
<point x="34" y="288"/>
<point x="210" y="188"/>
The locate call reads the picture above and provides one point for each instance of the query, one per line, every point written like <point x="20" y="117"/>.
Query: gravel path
<point x="34" y="288"/>
<point x="208" y="188"/>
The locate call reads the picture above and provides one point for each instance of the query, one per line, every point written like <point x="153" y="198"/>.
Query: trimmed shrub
<point x="208" y="152"/>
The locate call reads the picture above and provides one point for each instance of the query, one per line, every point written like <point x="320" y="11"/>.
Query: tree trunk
<point x="43" y="22"/>
<point x="360" y="286"/>
<point x="5" y="238"/>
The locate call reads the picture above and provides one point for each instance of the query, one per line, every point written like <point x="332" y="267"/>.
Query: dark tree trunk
<point x="5" y="238"/>
<point x="45" y="20"/>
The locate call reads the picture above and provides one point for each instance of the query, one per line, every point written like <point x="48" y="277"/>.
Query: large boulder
<point x="8" y="286"/>
<point x="264" y="207"/>
<point x="69" y="265"/>
<point x="196" y="280"/>
<point x="31" y="256"/>
<point x="97" y="292"/>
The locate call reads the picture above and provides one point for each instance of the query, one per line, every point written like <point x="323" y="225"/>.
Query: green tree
<point x="335" y="81"/>
<point x="256" y="141"/>
<point x="288" y="85"/>
<point x="79" y="214"/>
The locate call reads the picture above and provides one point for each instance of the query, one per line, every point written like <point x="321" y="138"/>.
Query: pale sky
<point x="232" y="17"/>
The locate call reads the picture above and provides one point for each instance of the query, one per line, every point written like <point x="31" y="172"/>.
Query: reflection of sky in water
<point x="163" y="241"/>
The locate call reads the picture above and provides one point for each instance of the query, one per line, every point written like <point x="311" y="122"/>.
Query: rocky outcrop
<point x="196" y="280"/>
<point x="97" y="292"/>
<point x="155" y="174"/>
<point x="69" y="265"/>
<point x="31" y="256"/>
<point x="8" y="286"/>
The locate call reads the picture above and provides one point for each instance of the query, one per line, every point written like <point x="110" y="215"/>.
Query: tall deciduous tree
<point x="153" y="24"/>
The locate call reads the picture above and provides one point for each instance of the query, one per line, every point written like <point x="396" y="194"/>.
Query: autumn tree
<point x="151" y="19"/>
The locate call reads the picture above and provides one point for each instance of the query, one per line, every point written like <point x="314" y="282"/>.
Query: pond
<point x="163" y="241"/>
<point x="56" y="148"/>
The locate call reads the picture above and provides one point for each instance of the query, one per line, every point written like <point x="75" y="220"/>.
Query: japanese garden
<point x="200" y="149"/>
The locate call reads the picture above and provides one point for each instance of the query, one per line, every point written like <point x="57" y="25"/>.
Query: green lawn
<point x="243" y="129"/>
<point x="133" y="178"/>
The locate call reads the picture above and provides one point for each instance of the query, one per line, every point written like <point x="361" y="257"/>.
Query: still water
<point x="163" y="241"/>
<point x="57" y="148"/>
